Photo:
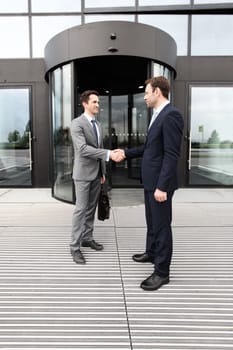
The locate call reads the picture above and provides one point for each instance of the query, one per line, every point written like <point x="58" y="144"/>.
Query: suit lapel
<point x="160" y="117"/>
<point x="90" y="128"/>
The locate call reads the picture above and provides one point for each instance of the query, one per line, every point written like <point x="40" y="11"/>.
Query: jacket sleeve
<point x="135" y="152"/>
<point x="84" y="148"/>
<point x="172" y="137"/>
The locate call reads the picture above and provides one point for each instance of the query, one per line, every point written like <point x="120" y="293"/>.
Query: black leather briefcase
<point x="103" y="205"/>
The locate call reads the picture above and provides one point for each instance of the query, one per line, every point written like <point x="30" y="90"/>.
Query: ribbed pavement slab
<point x="48" y="302"/>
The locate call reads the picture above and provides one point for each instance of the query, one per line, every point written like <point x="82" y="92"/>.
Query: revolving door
<point x="123" y="114"/>
<point x="114" y="58"/>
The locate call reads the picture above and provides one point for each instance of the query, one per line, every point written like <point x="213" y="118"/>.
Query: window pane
<point x="212" y="2"/>
<point x="176" y="26"/>
<point x="163" y="2"/>
<point x="211" y="136"/>
<point x="13" y="6"/>
<point x="214" y="41"/>
<point x="15" y="155"/>
<point x="45" y="27"/>
<point x="15" y="41"/>
<point x="99" y="18"/>
<point x="159" y="69"/>
<point x="56" y="6"/>
<point x="107" y="3"/>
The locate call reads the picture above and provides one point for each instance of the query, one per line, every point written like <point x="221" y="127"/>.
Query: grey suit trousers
<point x="87" y="194"/>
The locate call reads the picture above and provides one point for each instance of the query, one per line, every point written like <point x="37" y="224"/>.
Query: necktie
<point x="95" y="130"/>
<point x="153" y="119"/>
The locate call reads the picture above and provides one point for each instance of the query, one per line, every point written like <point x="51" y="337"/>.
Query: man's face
<point x="150" y="96"/>
<point x="92" y="106"/>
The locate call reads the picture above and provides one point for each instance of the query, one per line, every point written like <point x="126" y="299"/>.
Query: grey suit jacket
<point x="88" y="158"/>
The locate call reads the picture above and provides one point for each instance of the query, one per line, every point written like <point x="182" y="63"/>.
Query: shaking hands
<point x="117" y="155"/>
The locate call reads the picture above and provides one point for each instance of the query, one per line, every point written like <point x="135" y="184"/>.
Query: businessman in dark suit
<point x="160" y="155"/>
<point x="88" y="173"/>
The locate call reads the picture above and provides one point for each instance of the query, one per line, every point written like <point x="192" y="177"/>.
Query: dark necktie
<point x="95" y="130"/>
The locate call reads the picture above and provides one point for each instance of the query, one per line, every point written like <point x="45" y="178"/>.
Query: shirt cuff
<point x="108" y="156"/>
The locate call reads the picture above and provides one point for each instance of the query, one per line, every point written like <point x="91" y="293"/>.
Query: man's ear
<point x="158" y="91"/>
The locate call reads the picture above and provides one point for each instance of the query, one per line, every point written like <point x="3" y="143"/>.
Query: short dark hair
<point x="161" y="83"/>
<point x="86" y="95"/>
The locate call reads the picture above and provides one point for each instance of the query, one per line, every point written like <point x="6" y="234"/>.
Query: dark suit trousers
<point x="159" y="232"/>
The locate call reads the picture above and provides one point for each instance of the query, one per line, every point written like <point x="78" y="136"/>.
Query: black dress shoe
<point x="142" y="258"/>
<point x="154" y="282"/>
<point x="78" y="257"/>
<point x="93" y="245"/>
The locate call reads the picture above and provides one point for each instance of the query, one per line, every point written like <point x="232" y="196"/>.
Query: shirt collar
<point x="89" y="118"/>
<point x="159" y="109"/>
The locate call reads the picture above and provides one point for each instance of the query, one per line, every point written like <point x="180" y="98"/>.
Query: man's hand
<point x="102" y="179"/>
<point x="160" y="196"/>
<point x="117" y="155"/>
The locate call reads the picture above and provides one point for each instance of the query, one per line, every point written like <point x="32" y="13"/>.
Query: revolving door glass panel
<point x="62" y="145"/>
<point x="124" y="121"/>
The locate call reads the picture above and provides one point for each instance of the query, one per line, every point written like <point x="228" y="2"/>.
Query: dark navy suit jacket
<point x="161" y="151"/>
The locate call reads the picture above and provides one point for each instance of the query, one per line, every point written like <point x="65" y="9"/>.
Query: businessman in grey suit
<point x="88" y="173"/>
<point x="160" y="155"/>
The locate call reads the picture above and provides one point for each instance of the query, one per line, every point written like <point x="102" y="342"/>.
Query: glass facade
<point x="211" y="136"/>
<point x="30" y="24"/>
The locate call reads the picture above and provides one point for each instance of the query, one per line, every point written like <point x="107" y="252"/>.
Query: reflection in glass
<point x="62" y="107"/>
<point x="215" y="40"/>
<point x="124" y="129"/>
<point x="211" y="137"/>
<point x="15" y="137"/>
<point x="107" y="3"/>
<point x="44" y="28"/>
<point x="175" y="25"/>
<point x="103" y="118"/>
<point x="100" y="18"/>
<point x="119" y="135"/>
<point x="14" y="43"/>
<point x="138" y="132"/>
<point x="163" y="2"/>
<point x="158" y="70"/>
<point x="13" y="6"/>
<point x="210" y="2"/>
<point x="56" y="6"/>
